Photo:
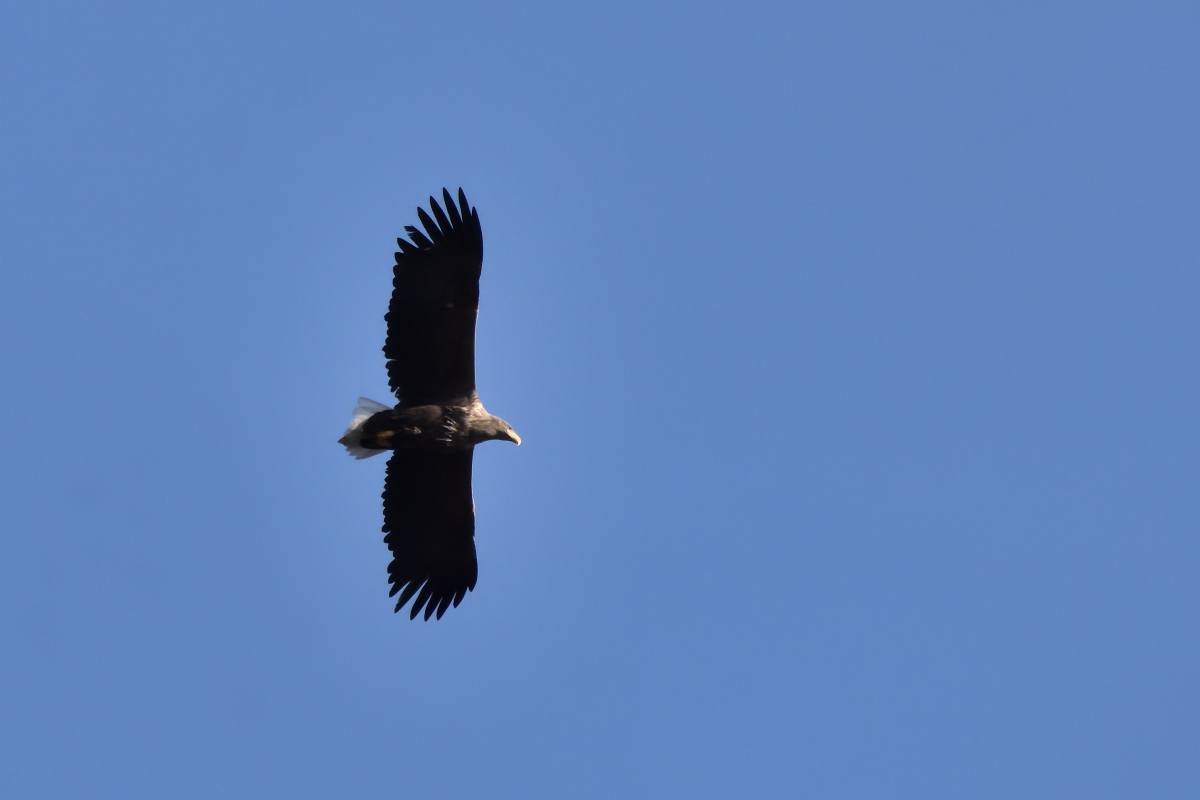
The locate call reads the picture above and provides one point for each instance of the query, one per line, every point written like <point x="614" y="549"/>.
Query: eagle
<point x="428" y="511"/>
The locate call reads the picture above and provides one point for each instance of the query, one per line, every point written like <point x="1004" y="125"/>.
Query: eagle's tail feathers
<point x="367" y="407"/>
<point x="353" y="436"/>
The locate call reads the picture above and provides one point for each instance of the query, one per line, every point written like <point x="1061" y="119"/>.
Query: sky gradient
<point x="853" y="346"/>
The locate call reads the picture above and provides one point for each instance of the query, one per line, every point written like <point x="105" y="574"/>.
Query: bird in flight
<point x="428" y="512"/>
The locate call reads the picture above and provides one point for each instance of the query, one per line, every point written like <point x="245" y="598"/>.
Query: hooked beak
<point x="514" y="438"/>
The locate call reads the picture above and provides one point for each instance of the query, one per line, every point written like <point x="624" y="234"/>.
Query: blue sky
<point x="853" y="347"/>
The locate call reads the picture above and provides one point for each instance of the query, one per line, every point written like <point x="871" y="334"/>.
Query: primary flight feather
<point x="428" y="513"/>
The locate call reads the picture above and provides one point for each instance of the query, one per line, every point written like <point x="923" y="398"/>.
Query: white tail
<point x="353" y="436"/>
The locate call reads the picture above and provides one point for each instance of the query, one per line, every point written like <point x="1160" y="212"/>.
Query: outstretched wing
<point x="429" y="519"/>
<point x="430" y="343"/>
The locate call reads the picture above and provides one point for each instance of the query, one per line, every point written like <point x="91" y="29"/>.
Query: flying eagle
<point x="428" y="512"/>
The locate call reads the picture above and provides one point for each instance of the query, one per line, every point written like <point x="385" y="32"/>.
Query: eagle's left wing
<point x="429" y="519"/>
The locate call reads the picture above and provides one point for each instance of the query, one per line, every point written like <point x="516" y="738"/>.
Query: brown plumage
<point x="428" y="513"/>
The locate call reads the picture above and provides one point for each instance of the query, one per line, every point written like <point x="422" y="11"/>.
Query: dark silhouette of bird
<point x="428" y="511"/>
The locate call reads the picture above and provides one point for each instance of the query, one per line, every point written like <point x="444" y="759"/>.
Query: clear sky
<point x="854" y="348"/>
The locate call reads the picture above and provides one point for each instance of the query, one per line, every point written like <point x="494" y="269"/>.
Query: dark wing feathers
<point x="429" y="519"/>
<point x="418" y="237"/>
<point x="428" y="514"/>
<point x="455" y="219"/>
<point x="430" y="343"/>
<point x="443" y="224"/>
<point x="431" y="228"/>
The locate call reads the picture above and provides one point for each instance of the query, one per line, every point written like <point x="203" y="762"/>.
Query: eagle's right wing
<point x="429" y="519"/>
<point x="430" y="343"/>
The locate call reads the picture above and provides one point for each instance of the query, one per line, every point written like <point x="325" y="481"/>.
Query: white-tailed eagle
<point x="428" y="512"/>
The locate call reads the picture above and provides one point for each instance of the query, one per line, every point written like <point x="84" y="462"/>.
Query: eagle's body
<point x="428" y="513"/>
<point x="430" y="428"/>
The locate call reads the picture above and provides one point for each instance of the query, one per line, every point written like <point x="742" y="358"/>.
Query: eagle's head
<point x="494" y="428"/>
